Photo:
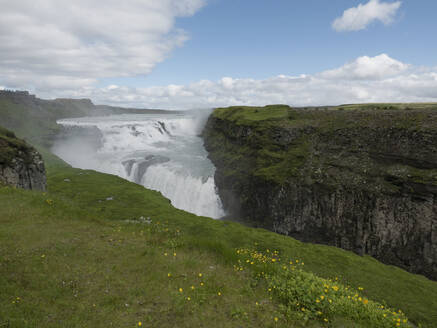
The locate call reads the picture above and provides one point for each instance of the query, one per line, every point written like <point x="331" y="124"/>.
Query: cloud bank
<point x="358" y="18"/>
<point x="61" y="44"/>
<point x="366" y="79"/>
<point x="60" y="48"/>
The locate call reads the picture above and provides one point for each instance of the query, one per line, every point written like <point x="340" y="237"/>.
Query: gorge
<point x="363" y="178"/>
<point x="360" y="177"/>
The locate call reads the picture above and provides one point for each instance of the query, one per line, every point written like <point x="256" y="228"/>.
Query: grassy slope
<point x="10" y="146"/>
<point x="322" y="117"/>
<point x="74" y="261"/>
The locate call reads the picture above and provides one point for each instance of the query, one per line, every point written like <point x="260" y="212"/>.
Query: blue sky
<point x="262" y="38"/>
<point x="207" y="53"/>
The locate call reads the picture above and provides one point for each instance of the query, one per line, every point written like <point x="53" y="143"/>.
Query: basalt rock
<point x="21" y="165"/>
<point x="364" y="180"/>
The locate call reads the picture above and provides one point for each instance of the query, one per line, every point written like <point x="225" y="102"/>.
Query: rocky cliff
<point x="20" y="165"/>
<point x="363" y="178"/>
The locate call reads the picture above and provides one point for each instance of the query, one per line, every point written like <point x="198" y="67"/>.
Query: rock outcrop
<point x="20" y="165"/>
<point x="361" y="179"/>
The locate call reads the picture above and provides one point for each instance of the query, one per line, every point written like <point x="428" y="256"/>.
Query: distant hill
<point x="35" y="119"/>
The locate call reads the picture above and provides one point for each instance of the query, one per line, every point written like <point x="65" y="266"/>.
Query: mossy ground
<point x="10" y="146"/>
<point x="80" y="256"/>
<point x="413" y="115"/>
<point x="331" y="127"/>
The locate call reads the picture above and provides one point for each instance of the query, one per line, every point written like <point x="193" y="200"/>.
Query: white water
<point x="159" y="151"/>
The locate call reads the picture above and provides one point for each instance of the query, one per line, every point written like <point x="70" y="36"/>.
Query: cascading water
<point x="162" y="152"/>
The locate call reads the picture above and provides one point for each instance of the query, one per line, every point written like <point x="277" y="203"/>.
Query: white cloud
<point x="366" y="79"/>
<point x="358" y="18"/>
<point x="67" y="44"/>
<point x="371" y="68"/>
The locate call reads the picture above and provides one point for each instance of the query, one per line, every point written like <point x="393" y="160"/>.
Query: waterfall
<point x="162" y="152"/>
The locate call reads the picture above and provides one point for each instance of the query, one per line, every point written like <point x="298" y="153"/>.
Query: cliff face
<point x="362" y="179"/>
<point x="20" y="165"/>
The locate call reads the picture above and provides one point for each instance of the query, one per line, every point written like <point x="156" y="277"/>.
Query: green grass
<point x="37" y="126"/>
<point x="412" y="115"/>
<point x="73" y="258"/>
<point x="66" y="266"/>
<point x="244" y="115"/>
<point x="10" y="146"/>
<point x="388" y="106"/>
<point x="316" y="137"/>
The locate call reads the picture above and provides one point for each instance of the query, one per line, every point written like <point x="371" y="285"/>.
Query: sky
<point x="183" y="54"/>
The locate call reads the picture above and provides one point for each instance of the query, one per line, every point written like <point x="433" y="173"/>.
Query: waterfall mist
<point x="161" y="151"/>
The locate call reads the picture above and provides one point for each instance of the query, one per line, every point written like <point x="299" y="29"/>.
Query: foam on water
<point x="160" y="152"/>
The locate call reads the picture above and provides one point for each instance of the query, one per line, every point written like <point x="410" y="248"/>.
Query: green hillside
<point x="98" y="251"/>
<point x="86" y="254"/>
<point x="10" y="146"/>
<point x="35" y="119"/>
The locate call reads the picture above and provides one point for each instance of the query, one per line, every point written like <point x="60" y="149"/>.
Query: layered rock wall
<point x="25" y="174"/>
<point x="20" y="165"/>
<point x="364" y="180"/>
